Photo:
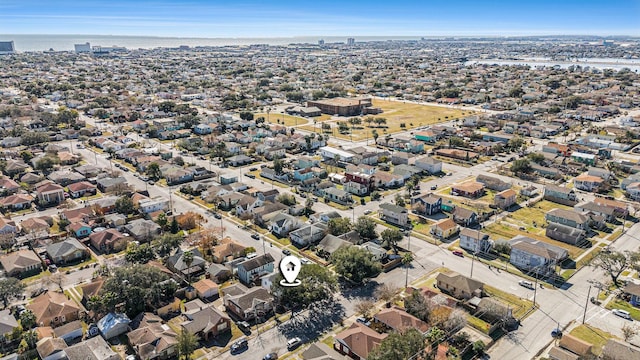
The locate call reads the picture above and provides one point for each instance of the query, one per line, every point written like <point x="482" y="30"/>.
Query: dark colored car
<point x="239" y="345"/>
<point x="286" y="251"/>
<point x="255" y="236"/>
<point x="458" y="253"/>
<point x="434" y="187"/>
<point x="217" y="216"/>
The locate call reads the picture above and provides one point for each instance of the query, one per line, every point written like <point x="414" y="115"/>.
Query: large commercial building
<point x="6" y="47"/>
<point x="82" y="48"/>
<point x="344" y="106"/>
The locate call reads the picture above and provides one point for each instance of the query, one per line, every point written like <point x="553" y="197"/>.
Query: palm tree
<point x="187" y="258"/>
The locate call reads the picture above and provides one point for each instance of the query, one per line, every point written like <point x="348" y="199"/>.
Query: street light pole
<point x="586" y="304"/>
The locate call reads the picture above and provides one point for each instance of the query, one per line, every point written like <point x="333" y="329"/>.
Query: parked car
<point x="622" y="313"/>
<point x="53" y="268"/>
<point x="305" y="261"/>
<point x="39" y="292"/>
<point x="239" y="345"/>
<point x="293" y="343"/>
<point x="363" y="321"/>
<point x="434" y="187"/>
<point x="250" y="176"/>
<point x="367" y="212"/>
<point x="286" y="251"/>
<point x="253" y="169"/>
<point x="270" y="356"/>
<point x="217" y="216"/>
<point x="556" y="333"/>
<point x="458" y="253"/>
<point x="255" y="236"/>
<point x="244" y="326"/>
<point x="527" y="284"/>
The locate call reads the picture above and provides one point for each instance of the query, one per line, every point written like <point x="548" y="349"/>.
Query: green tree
<point x="286" y="199"/>
<point x="355" y="263"/>
<point x="399" y="346"/>
<point x="162" y="220"/>
<point x="521" y="166"/>
<point x="478" y="347"/>
<point x="316" y="283"/>
<point x="278" y="164"/>
<point x="308" y="206"/>
<point x="187" y="344"/>
<point x="366" y="228"/>
<point x="45" y="164"/>
<point x="27" y="319"/>
<point x="391" y="237"/>
<point x="418" y="306"/>
<point x="26" y="156"/>
<point x="125" y="205"/>
<point x="536" y="158"/>
<point x="375" y="195"/>
<point x="139" y="254"/>
<point x="399" y="200"/>
<point x="175" y="227"/>
<point x="166" y="243"/>
<point x="339" y="226"/>
<point x="516" y="92"/>
<point x="246" y="115"/>
<point x="10" y="288"/>
<point x="153" y="171"/>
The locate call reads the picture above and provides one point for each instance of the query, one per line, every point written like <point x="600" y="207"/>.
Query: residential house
<point x="444" y="228"/>
<point x="308" y="234"/>
<point x="470" y="189"/>
<point x="8" y="228"/>
<point x="8" y="186"/>
<point x="53" y="309"/>
<point x="247" y="205"/>
<point x="559" y="194"/>
<point x="325" y="217"/>
<point x="83" y="214"/>
<point x="79" y="229"/>
<point x="493" y="183"/>
<point x="429" y="164"/>
<point x="564" y="233"/>
<point x="248" y="304"/>
<point x="329" y="244"/>
<point x="112" y="325"/>
<point x="459" y="286"/>
<point x="82" y="188"/>
<point x="142" y="230"/>
<point x="69" y="332"/>
<point x="464" y="216"/>
<point x="7" y="323"/>
<point x="206" y="289"/>
<point x="251" y="270"/>
<point x="591" y="208"/>
<point x="400" y="157"/>
<point x="207" y="323"/>
<point x="51" y="348"/>
<point x="67" y="251"/>
<point x="227" y="250"/>
<point x="569" y="218"/>
<point x="282" y="224"/>
<point x="428" y="204"/>
<point x="50" y="193"/>
<point x="535" y="256"/>
<point x="218" y="273"/>
<point x="475" y="241"/>
<point x="394" y="214"/>
<point x="588" y="182"/>
<point x="107" y="185"/>
<point x="378" y="253"/>
<point x="315" y="351"/>
<point x="618" y="350"/>
<point x="406" y="171"/>
<point x="95" y="348"/>
<point x="358" y="341"/>
<point x="91" y="289"/>
<point x="388" y="180"/>
<point x="16" y="202"/>
<point x="397" y="319"/>
<point x="157" y="203"/>
<point x="426" y="135"/>
<point x="36" y="227"/>
<point x="177" y="263"/>
<point x="151" y="339"/>
<point x="65" y="177"/>
<point x="337" y="195"/>
<point x="589" y="159"/>
<point x="505" y="199"/>
<point x="356" y="188"/>
<point x="21" y="263"/>
<point x="109" y="240"/>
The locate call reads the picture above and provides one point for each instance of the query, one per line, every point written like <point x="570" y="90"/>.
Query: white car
<point x="527" y="284"/>
<point x="293" y="343"/>
<point x="367" y="212"/>
<point x="622" y="313"/>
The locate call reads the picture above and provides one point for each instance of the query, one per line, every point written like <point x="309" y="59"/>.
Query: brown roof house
<point x="618" y="350"/>
<point x="16" y="202"/>
<point x="505" y="199"/>
<point x="151" y="339"/>
<point x="53" y="309"/>
<point x="207" y="323"/>
<point x="21" y="263"/>
<point x="357" y="341"/>
<point x="245" y="303"/>
<point x="49" y="194"/>
<point x="459" y="286"/>
<point x="398" y="319"/>
<point x="206" y="289"/>
<point x="444" y="228"/>
<point x="570" y="348"/>
<point x="110" y="240"/>
<point x="227" y="250"/>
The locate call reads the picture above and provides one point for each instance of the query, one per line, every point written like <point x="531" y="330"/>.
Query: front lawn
<point x="623" y="305"/>
<point x="592" y="335"/>
<point x="519" y="306"/>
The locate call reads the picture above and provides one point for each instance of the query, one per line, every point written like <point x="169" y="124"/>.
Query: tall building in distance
<point x="82" y="48"/>
<point x="351" y="41"/>
<point x="321" y="42"/>
<point x="7" y="47"/>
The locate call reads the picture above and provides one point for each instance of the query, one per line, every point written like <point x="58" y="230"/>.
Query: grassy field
<point x="507" y="232"/>
<point x="518" y="305"/>
<point x="396" y="113"/>
<point x="283" y="119"/>
<point x="592" y="335"/>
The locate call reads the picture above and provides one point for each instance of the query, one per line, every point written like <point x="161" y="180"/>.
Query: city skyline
<point x="199" y="18"/>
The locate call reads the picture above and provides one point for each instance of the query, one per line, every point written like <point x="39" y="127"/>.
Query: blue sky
<point x="250" y="18"/>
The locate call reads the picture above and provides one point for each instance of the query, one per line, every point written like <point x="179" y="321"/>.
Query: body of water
<point x="66" y="42"/>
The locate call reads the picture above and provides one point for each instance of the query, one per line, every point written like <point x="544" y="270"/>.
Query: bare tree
<point x="457" y="320"/>
<point x="57" y="279"/>
<point x="629" y="331"/>
<point x="386" y="293"/>
<point x="365" y="308"/>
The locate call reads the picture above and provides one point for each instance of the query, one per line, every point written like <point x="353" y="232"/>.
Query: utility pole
<point x="535" y="290"/>
<point x="473" y="259"/>
<point x="586" y="304"/>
